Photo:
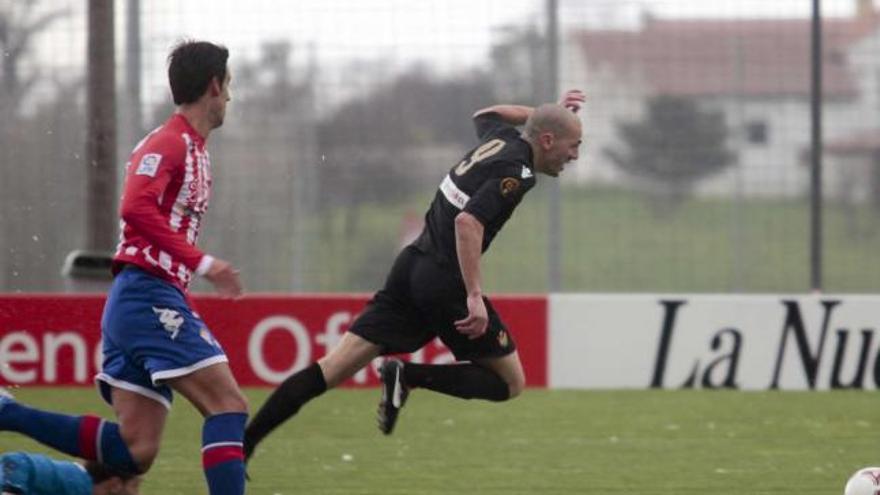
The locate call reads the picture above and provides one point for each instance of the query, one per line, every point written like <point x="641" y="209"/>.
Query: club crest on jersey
<point x="170" y="319"/>
<point x="509" y="185"/>
<point x="503" y="340"/>
<point x="149" y="164"/>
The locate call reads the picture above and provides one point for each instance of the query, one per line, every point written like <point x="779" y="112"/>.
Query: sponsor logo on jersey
<point x="149" y="164"/>
<point x="453" y="194"/>
<point x="509" y="185"/>
<point x="170" y="319"/>
<point x="526" y="173"/>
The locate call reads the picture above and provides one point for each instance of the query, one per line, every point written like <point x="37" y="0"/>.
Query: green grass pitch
<point x="545" y="442"/>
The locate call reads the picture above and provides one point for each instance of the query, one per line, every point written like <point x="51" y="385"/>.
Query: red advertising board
<point x="55" y="339"/>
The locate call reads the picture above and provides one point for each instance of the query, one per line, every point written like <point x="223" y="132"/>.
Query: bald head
<point x="554" y="133"/>
<point x="552" y="118"/>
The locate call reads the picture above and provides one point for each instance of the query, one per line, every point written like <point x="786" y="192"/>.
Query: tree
<point x="392" y="131"/>
<point x="674" y="147"/>
<point x="387" y="145"/>
<point x="520" y="64"/>
<point x="266" y="157"/>
<point x="35" y="153"/>
<point x="19" y="26"/>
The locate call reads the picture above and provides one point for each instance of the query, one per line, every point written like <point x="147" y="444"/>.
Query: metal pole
<point x="816" y="154"/>
<point x="554" y="224"/>
<point x="101" y="137"/>
<point x="133" y="68"/>
<point x="739" y="243"/>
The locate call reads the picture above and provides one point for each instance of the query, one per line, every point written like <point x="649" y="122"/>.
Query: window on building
<point x="756" y="132"/>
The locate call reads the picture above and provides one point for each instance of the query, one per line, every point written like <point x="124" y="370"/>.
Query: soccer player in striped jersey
<point x="154" y="342"/>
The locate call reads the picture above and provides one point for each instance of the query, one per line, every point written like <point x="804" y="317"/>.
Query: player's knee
<point x="515" y="385"/>
<point x="232" y="401"/>
<point x="515" y="388"/>
<point x="331" y="371"/>
<point x="236" y="403"/>
<point x="145" y="464"/>
<point x="143" y="444"/>
<point x="144" y="452"/>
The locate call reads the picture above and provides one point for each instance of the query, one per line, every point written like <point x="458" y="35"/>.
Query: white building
<point x="755" y="71"/>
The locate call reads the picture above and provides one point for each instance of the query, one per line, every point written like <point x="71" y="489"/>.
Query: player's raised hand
<point x="474" y="325"/>
<point x="224" y="277"/>
<point x="573" y="99"/>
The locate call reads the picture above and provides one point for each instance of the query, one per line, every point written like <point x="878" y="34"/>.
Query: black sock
<point x="284" y="402"/>
<point x="467" y="381"/>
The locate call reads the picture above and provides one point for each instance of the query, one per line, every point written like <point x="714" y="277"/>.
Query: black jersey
<point x="488" y="183"/>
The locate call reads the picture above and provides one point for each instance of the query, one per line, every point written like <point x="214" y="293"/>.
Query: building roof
<point x="866" y="142"/>
<point x="765" y="57"/>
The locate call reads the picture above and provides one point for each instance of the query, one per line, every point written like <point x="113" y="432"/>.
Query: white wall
<point x="865" y="65"/>
<point x="774" y="169"/>
<point x="610" y="99"/>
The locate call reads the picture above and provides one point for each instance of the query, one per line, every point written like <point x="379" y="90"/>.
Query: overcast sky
<point x="448" y="32"/>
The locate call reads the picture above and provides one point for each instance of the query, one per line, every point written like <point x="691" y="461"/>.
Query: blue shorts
<point x="150" y="334"/>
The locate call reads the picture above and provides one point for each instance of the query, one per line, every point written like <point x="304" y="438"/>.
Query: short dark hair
<point x="192" y="65"/>
<point x="101" y="472"/>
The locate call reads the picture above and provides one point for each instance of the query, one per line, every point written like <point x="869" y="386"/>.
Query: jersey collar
<point x="182" y="122"/>
<point x="530" y="163"/>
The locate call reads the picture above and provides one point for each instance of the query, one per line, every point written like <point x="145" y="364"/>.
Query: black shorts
<point x="421" y="300"/>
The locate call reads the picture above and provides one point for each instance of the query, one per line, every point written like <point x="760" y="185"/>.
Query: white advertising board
<point x="754" y="342"/>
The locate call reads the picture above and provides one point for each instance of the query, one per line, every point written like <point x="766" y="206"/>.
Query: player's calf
<point x="88" y="437"/>
<point x="464" y="380"/>
<point x="282" y="404"/>
<point x="222" y="453"/>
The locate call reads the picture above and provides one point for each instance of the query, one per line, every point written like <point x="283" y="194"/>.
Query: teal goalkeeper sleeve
<point x="35" y="474"/>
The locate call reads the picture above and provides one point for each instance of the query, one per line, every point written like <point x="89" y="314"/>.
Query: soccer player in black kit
<point x="434" y="287"/>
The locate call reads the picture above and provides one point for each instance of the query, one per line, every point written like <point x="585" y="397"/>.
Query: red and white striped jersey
<point x="166" y="192"/>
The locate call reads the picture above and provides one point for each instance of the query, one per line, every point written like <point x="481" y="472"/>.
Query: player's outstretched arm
<point x="572" y="99"/>
<point x="511" y="114"/>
